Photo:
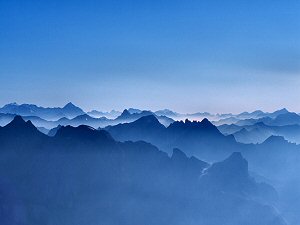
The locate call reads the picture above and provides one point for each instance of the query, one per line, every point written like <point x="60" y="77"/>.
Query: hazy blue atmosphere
<point x="184" y="55"/>
<point x="149" y="112"/>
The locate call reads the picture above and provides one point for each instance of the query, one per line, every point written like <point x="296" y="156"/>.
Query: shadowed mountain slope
<point x="194" y="138"/>
<point x="83" y="176"/>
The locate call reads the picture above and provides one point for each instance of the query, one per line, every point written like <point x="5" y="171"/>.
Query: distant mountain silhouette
<point x="110" y="115"/>
<point x="275" y="158"/>
<point x="69" y="111"/>
<point x="255" y="135"/>
<point x="146" y="128"/>
<point x="281" y="119"/>
<point x="132" y="110"/>
<point x="127" y="117"/>
<point x="194" y="138"/>
<point x="168" y="113"/>
<point x="83" y="176"/>
<point x="258" y="132"/>
<point x="247" y="118"/>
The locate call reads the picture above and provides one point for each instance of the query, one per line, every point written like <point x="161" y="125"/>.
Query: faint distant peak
<point x="281" y="111"/>
<point x="133" y="110"/>
<point x="70" y="105"/>
<point x="166" y="112"/>
<point x="284" y="110"/>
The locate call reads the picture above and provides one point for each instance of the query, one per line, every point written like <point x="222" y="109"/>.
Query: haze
<point x="184" y="55"/>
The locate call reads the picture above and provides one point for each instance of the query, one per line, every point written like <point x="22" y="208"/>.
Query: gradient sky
<point x="217" y="56"/>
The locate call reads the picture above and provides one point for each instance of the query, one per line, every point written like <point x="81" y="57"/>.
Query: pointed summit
<point x="83" y="133"/>
<point x="151" y="119"/>
<point x="279" y="112"/>
<point x="125" y="114"/>
<point x="178" y="155"/>
<point x="283" y="110"/>
<point x="234" y="165"/>
<point x="206" y="123"/>
<point x="18" y="127"/>
<point x="232" y="171"/>
<point x="69" y="105"/>
<point x="18" y="120"/>
<point x="19" y="123"/>
<point x="71" y="110"/>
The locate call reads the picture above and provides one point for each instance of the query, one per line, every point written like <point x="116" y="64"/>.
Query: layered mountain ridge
<point x="75" y="175"/>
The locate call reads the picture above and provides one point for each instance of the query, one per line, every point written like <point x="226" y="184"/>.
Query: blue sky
<point x="218" y="56"/>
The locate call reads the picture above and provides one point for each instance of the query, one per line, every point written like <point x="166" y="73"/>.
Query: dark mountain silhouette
<point x="18" y="127"/>
<point x="127" y="117"/>
<point x="83" y="176"/>
<point x="194" y="138"/>
<point x="84" y="119"/>
<point x="146" y="128"/>
<point x="275" y="158"/>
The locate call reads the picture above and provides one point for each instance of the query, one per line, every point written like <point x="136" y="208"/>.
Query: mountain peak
<point x="178" y="154"/>
<point x="71" y="110"/>
<point x="235" y="164"/>
<point x="284" y="110"/>
<point x="234" y="168"/>
<point x="125" y="114"/>
<point x="19" y="123"/>
<point x="235" y="157"/>
<point x="69" y="105"/>
<point x="150" y="119"/>
<point x="206" y="123"/>
<point x="281" y="111"/>
<point x="273" y="139"/>
<point x="18" y="120"/>
<point x="83" y="132"/>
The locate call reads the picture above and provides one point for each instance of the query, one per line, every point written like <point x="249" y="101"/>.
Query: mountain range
<point x="84" y="176"/>
<point x="258" y="125"/>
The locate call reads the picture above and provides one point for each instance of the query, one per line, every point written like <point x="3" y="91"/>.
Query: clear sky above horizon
<point x="217" y="56"/>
